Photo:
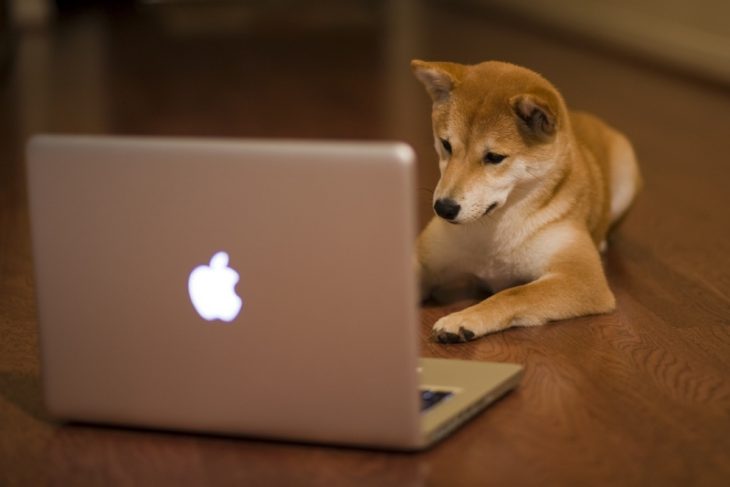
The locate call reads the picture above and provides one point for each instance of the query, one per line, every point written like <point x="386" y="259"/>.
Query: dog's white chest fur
<point x="497" y="273"/>
<point x="485" y="253"/>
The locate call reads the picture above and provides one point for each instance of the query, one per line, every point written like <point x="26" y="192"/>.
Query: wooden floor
<point x="637" y="397"/>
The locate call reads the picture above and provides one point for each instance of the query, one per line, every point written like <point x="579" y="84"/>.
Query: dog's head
<point x="496" y="126"/>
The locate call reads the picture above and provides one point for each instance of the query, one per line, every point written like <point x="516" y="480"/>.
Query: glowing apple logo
<point x="211" y="289"/>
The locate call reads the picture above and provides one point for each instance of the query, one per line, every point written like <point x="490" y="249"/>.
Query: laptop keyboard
<point x="430" y="398"/>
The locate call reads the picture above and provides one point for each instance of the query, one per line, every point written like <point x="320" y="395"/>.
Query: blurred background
<point x="340" y="68"/>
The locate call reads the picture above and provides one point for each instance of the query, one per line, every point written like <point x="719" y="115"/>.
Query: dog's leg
<point x="572" y="284"/>
<point x="426" y="262"/>
<point x="437" y="260"/>
<point x="433" y="275"/>
<point x="425" y="279"/>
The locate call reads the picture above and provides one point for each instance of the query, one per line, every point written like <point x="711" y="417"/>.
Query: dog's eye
<point x="446" y="145"/>
<point x="493" y="158"/>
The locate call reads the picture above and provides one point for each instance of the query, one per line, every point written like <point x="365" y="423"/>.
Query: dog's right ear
<point x="438" y="78"/>
<point x="535" y="114"/>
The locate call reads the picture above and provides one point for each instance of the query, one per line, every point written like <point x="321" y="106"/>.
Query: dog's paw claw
<point x="447" y="337"/>
<point x="464" y="335"/>
<point x="457" y="327"/>
<point x="467" y="334"/>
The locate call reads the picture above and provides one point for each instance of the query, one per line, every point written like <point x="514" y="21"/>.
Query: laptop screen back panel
<point x="325" y="345"/>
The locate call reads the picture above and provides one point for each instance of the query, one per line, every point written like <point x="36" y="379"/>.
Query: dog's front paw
<point x="457" y="327"/>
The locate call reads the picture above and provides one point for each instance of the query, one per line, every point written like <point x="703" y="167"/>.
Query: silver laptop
<point x="257" y="288"/>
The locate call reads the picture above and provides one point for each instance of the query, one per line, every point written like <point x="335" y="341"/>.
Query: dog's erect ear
<point x="438" y="78"/>
<point x="535" y="115"/>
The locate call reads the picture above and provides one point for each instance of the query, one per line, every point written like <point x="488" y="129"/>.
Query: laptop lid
<point x="322" y="344"/>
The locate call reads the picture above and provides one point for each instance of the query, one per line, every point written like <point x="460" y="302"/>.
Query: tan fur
<point x="529" y="228"/>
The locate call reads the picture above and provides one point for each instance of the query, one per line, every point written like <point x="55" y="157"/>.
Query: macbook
<point x="240" y="287"/>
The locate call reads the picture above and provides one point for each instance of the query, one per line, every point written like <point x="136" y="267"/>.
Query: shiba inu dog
<point x="527" y="195"/>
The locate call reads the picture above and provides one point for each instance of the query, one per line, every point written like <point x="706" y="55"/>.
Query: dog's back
<point x="615" y="165"/>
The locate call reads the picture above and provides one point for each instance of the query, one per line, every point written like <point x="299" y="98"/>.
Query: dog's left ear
<point x="439" y="78"/>
<point x="535" y="114"/>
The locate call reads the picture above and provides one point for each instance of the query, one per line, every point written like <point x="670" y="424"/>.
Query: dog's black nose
<point x="447" y="208"/>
